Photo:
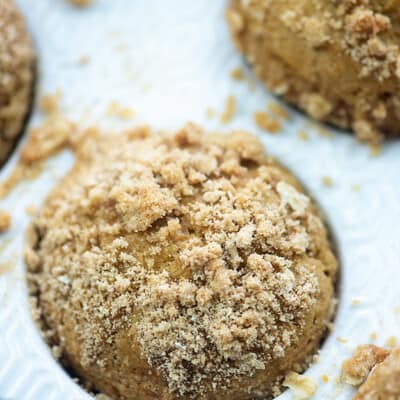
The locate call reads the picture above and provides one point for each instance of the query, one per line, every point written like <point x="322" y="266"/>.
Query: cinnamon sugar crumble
<point x="229" y="110"/>
<point x="302" y="386"/>
<point x="265" y="122"/>
<point x="199" y="247"/>
<point x="5" y="221"/>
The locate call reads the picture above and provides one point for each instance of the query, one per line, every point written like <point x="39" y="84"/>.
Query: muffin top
<point x="16" y="74"/>
<point x="199" y="251"/>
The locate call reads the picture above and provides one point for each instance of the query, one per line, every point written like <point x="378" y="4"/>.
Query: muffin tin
<point x="169" y="64"/>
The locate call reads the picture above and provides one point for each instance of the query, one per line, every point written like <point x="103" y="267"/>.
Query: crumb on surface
<point x="81" y="3"/>
<point x="210" y="112"/>
<point x="327" y="181"/>
<point x="355" y="187"/>
<point x="237" y="74"/>
<point x="49" y="103"/>
<point x="303" y="387"/>
<point x="391" y="341"/>
<point x="375" y="150"/>
<point x="325" y="378"/>
<point x="265" y="122"/>
<point x="373" y="336"/>
<point x="278" y="110"/>
<point x="304" y="136"/>
<point x="115" y="109"/>
<point x="5" y="221"/>
<point x="229" y="110"/>
<point x="84" y="59"/>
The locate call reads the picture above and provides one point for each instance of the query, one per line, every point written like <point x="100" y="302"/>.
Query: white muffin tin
<point x="170" y="61"/>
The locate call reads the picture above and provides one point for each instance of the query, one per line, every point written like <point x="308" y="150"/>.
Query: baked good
<point x="16" y="75"/>
<point x="181" y="265"/>
<point x="338" y="60"/>
<point x="377" y="370"/>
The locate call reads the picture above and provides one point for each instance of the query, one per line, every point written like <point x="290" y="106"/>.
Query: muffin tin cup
<point x="170" y="63"/>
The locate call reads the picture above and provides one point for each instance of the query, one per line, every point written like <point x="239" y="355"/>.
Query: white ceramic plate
<point x="170" y="61"/>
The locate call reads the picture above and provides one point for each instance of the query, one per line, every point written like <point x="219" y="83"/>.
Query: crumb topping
<point x="199" y="247"/>
<point x="16" y="74"/>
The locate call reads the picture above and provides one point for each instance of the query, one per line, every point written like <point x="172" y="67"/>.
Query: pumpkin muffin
<point x="181" y="265"/>
<point x="338" y="60"/>
<point x="16" y="75"/>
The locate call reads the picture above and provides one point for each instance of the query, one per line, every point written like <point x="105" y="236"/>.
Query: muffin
<point x="16" y="75"/>
<point x="339" y="61"/>
<point x="181" y="265"/>
<point x="377" y="371"/>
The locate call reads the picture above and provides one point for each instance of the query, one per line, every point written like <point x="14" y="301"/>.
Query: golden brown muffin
<point x="16" y="75"/>
<point x="338" y="60"/>
<point x="181" y="265"/>
<point x="383" y="383"/>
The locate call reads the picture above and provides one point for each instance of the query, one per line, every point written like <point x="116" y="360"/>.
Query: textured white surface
<point x="170" y="60"/>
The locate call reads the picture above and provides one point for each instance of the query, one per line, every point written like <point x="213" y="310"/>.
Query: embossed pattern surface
<point x="170" y="61"/>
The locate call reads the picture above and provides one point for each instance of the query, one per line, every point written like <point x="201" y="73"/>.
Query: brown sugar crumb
<point x="84" y="60"/>
<point x="341" y="340"/>
<point x="355" y="187"/>
<point x="81" y="3"/>
<point x="237" y="74"/>
<point x="391" y="342"/>
<point x="373" y="336"/>
<point x="356" y="302"/>
<point x="116" y="110"/>
<point x="46" y="139"/>
<point x="302" y="386"/>
<point x="375" y="150"/>
<point x="265" y="122"/>
<point x="48" y="103"/>
<point x="356" y="369"/>
<point x="210" y="112"/>
<point x="191" y="259"/>
<point x="278" y="111"/>
<point x="325" y="378"/>
<point x="5" y="221"/>
<point x="229" y="110"/>
<point x="380" y="375"/>
<point x="327" y="181"/>
<point x="304" y="136"/>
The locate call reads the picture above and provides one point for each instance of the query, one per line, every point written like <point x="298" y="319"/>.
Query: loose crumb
<point x="356" y="302"/>
<point x="341" y="340"/>
<point x="49" y="103"/>
<point x="81" y="3"/>
<point x="30" y="210"/>
<point x="373" y="336"/>
<point x="327" y="181"/>
<point x="237" y="74"/>
<point x="116" y="110"/>
<point x="325" y="378"/>
<point x="265" y="122"/>
<point x="5" y="221"/>
<point x="391" y="341"/>
<point x="302" y="386"/>
<point x="355" y="188"/>
<point x="229" y="110"/>
<point x="304" y="136"/>
<point x="375" y="150"/>
<point x="84" y="60"/>
<point x="210" y="112"/>
<point x="278" y="111"/>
